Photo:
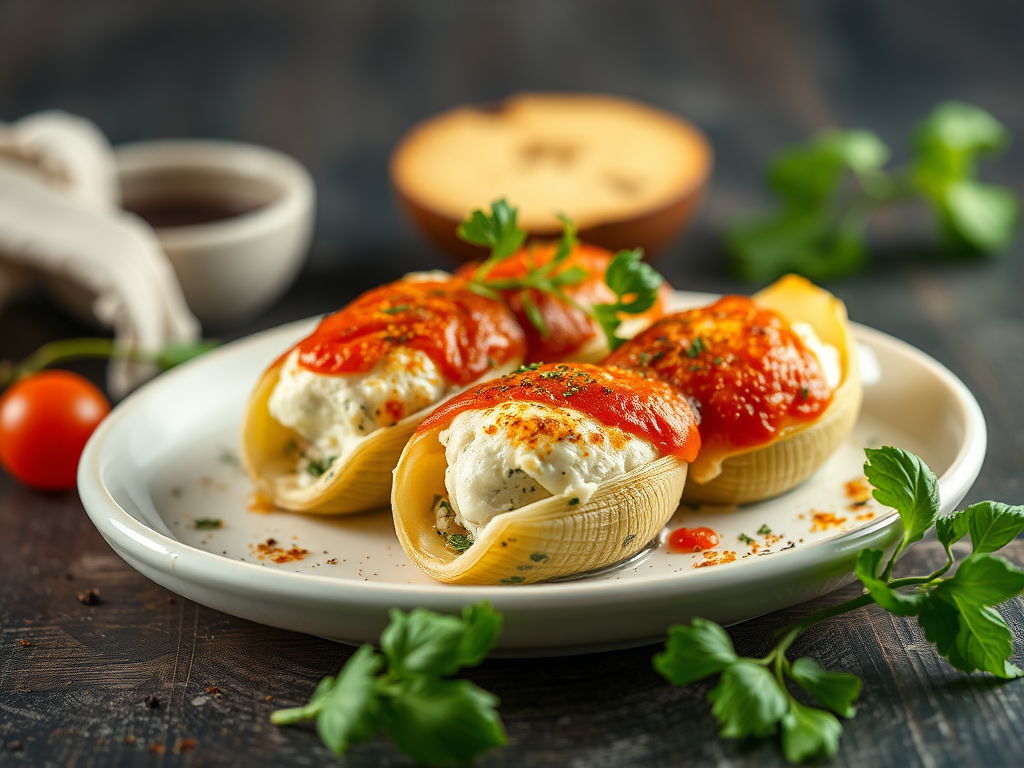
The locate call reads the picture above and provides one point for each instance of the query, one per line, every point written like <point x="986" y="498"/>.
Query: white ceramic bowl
<point x="234" y="268"/>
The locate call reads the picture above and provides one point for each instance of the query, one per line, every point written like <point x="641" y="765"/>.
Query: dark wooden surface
<point x="336" y="84"/>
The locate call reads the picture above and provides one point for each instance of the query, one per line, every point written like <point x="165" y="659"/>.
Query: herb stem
<point x="64" y="351"/>
<point x="790" y="633"/>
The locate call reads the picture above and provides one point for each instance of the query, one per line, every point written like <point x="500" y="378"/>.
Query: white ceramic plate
<point x="167" y="457"/>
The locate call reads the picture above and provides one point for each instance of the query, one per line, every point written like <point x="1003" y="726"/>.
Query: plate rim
<point x="130" y="536"/>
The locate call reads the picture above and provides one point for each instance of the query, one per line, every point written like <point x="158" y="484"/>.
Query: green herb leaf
<point x="960" y="127"/>
<point x="981" y="217"/>
<point x="748" y="701"/>
<point x="829" y="187"/>
<point x="422" y="642"/>
<point x="628" y="274"/>
<point x="442" y="722"/>
<point x="207" y="523"/>
<point x="497" y="231"/>
<point x="435" y="721"/>
<point x="905" y="483"/>
<point x="961" y="620"/>
<point x="993" y="525"/>
<point x="635" y="285"/>
<point x="900" y="603"/>
<point x="566" y="242"/>
<point x="811" y="172"/>
<point x="344" y="707"/>
<point x="348" y="714"/>
<point x="694" y="651"/>
<point x="458" y="542"/>
<point x="397" y="309"/>
<point x="836" y="690"/>
<point x="951" y="528"/>
<point x="483" y="626"/>
<point x="808" y="733"/>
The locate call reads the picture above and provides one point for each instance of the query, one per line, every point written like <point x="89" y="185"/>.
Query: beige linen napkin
<point x="59" y="217"/>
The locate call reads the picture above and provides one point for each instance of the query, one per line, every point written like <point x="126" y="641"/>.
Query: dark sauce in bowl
<point x="164" y="213"/>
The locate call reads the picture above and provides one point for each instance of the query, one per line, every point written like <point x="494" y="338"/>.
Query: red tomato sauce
<point x="692" y="539"/>
<point x="747" y="373"/>
<point x="646" y="408"/>
<point x="463" y="333"/>
<point x="569" y="328"/>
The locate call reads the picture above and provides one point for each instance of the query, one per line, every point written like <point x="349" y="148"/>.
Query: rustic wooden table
<point x="335" y="85"/>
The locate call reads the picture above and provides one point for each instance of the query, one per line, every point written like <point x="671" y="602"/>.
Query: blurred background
<point x="335" y="84"/>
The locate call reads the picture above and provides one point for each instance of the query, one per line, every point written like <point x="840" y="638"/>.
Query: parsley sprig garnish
<point x="634" y="282"/>
<point x="958" y="614"/>
<point x="829" y="187"/>
<point x="403" y="690"/>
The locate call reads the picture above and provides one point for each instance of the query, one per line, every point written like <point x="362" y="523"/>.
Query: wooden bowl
<point x="629" y="175"/>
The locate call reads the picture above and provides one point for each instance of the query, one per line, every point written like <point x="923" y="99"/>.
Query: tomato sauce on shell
<point x="748" y="373"/>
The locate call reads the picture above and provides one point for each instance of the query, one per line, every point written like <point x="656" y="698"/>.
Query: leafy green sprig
<point x="754" y="696"/>
<point x="829" y="187"/>
<point x="634" y="282"/>
<point x="403" y="690"/>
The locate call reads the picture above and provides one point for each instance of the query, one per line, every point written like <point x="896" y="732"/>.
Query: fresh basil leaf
<point x="482" y="627"/>
<point x="443" y="722"/>
<point x="836" y="690"/>
<point x="497" y="231"/>
<point x="899" y="603"/>
<point x="694" y="651"/>
<point x="904" y="482"/>
<point x="992" y="524"/>
<point x="984" y="216"/>
<point x="808" y="733"/>
<point x="748" y="701"/>
<point x="349" y="711"/>
<point x="422" y="642"/>
<point x="961" y="620"/>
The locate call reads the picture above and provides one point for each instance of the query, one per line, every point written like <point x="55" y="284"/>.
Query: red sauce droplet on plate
<point x="692" y="539"/>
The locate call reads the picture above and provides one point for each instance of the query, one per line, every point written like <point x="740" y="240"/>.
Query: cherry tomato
<point x="45" y="421"/>
<point x="692" y="539"/>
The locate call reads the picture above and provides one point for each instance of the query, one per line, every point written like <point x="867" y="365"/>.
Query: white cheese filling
<point x="333" y="413"/>
<point x="828" y="356"/>
<point x="516" y="453"/>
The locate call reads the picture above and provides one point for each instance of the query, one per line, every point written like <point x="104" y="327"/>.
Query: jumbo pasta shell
<point x="541" y="541"/>
<point x="772" y="469"/>
<point x="356" y="482"/>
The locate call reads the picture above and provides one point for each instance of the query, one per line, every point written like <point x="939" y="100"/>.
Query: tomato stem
<point x="66" y="350"/>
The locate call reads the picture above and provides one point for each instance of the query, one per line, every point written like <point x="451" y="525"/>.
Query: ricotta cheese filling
<point x="828" y="356"/>
<point x="333" y="413"/>
<point x="515" y="453"/>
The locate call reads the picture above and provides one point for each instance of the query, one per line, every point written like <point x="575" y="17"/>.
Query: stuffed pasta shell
<point x="774" y="381"/>
<point x="554" y="470"/>
<point x="327" y="422"/>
